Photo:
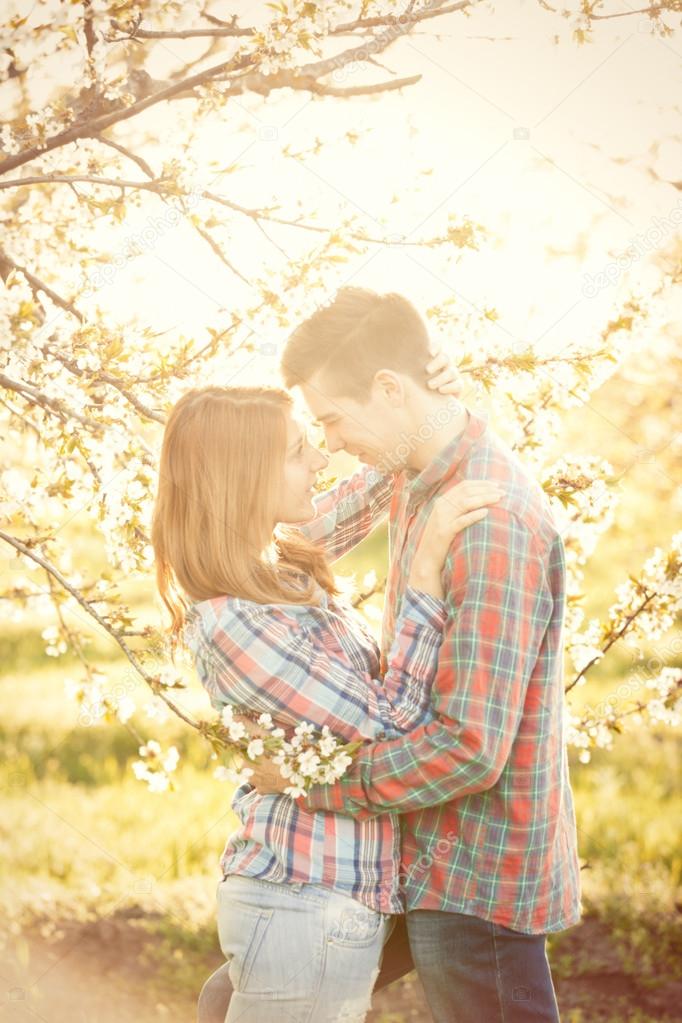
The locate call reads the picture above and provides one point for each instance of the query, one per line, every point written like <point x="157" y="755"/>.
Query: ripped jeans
<point x="298" y="953"/>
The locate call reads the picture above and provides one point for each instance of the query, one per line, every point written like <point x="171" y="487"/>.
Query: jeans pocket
<point x="241" y="929"/>
<point x="352" y="925"/>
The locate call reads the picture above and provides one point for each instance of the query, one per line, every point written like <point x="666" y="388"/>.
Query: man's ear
<point x="389" y="386"/>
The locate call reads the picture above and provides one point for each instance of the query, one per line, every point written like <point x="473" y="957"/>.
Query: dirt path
<point x="80" y="980"/>
<point x="101" y="972"/>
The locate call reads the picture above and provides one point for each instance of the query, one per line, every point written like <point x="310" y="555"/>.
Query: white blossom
<point x="150" y="749"/>
<point x="339" y="764"/>
<point x="237" y="730"/>
<point x="157" y="710"/>
<point x="255" y="749"/>
<point x="327" y="745"/>
<point x="308" y="763"/>
<point x="169" y="676"/>
<point x="125" y="708"/>
<point x="158" y="782"/>
<point x="170" y="761"/>
<point x="231" y="775"/>
<point x="294" y="791"/>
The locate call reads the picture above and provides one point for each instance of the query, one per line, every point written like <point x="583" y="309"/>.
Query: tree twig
<point x="55" y="406"/>
<point x="614" y="639"/>
<point x="51" y="569"/>
<point x="304" y="78"/>
<point x="142" y="164"/>
<point x="7" y="264"/>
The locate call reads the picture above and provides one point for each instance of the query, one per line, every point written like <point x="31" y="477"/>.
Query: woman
<point x="307" y="901"/>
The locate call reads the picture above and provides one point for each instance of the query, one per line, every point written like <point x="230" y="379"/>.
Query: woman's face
<point x="302" y="463"/>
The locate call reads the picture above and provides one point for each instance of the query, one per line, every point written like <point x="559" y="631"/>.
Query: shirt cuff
<point x="333" y="798"/>
<point x="423" y="608"/>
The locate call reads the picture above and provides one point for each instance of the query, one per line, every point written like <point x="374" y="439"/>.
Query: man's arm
<point x="499" y="604"/>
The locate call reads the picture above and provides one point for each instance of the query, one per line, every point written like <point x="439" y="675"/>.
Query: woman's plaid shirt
<point x="321" y="664"/>
<point x="488" y="825"/>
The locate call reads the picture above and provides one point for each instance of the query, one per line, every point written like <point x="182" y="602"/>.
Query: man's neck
<point x="436" y="420"/>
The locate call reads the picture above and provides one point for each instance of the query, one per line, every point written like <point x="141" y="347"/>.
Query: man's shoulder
<point x="524" y="498"/>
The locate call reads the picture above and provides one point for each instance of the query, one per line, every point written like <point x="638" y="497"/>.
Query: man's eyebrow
<point x="326" y="417"/>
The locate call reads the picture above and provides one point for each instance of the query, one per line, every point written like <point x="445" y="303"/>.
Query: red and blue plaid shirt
<point x="488" y="825"/>
<point x="322" y="665"/>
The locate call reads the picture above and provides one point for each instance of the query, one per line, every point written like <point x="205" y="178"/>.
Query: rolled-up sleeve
<point x="349" y="511"/>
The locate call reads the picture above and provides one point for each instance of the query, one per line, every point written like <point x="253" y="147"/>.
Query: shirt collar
<point x="447" y="462"/>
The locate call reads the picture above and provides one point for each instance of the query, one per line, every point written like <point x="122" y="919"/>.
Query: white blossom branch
<point x="613" y="639"/>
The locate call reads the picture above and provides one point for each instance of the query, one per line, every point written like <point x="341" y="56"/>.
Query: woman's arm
<point x="348" y="512"/>
<point x="265" y="658"/>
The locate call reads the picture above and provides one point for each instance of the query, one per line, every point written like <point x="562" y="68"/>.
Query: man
<point x="489" y="859"/>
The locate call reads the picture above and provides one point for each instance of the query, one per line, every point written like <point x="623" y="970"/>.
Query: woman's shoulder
<point x="227" y="613"/>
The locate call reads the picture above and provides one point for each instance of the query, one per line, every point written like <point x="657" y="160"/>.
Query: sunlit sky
<point x="555" y="149"/>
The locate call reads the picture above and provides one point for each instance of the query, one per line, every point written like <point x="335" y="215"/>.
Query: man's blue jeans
<point x="474" y="971"/>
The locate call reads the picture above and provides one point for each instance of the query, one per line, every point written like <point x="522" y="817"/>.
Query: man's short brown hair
<point x="352" y="338"/>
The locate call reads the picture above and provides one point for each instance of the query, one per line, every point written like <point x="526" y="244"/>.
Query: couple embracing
<point x="449" y="845"/>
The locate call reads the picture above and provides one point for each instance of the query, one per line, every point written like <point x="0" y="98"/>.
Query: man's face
<point x="367" y="429"/>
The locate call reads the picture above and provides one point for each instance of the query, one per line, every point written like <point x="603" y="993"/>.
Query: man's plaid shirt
<point x="489" y="825"/>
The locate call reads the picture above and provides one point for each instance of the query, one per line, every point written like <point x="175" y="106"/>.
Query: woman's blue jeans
<point x="397" y="961"/>
<point x="298" y="953"/>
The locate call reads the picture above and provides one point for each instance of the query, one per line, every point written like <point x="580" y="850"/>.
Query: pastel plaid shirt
<point x="321" y="664"/>
<point x="488" y="825"/>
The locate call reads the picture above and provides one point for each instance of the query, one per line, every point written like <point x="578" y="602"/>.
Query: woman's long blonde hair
<point x="220" y="478"/>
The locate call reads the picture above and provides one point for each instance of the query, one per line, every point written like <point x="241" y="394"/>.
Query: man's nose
<point x="334" y="441"/>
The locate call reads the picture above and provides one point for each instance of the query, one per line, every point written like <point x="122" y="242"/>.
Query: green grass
<point x="80" y="837"/>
